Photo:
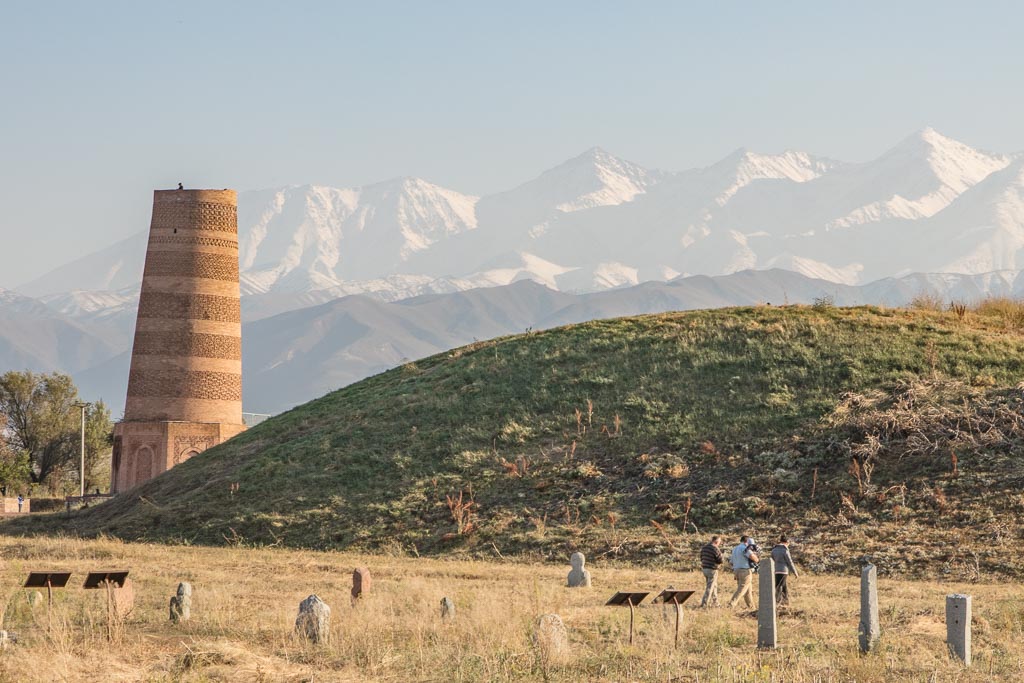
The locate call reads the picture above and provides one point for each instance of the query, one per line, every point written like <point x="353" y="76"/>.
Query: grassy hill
<point x="860" y="431"/>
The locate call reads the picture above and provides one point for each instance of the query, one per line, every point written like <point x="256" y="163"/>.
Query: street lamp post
<point x="83" y="405"/>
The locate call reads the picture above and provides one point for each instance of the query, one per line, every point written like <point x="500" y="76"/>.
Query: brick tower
<point x="185" y="384"/>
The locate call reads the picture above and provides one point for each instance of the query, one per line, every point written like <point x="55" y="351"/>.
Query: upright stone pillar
<point x="314" y="620"/>
<point x="447" y="609"/>
<point x="185" y="383"/>
<point x="767" y="634"/>
<point x="958" y="626"/>
<point x="868" y="632"/>
<point x="181" y="603"/>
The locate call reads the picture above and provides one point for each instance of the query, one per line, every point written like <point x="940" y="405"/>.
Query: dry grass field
<point x="245" y="602"/>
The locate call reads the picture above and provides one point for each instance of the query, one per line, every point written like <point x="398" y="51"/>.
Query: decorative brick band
<point x="195" y="216"/>
<point x="187" y="344"/>
<point x="197" y="241"/>
<point x="189" y="307"/>
<point x="192" y="264"/>
<point x="202" y="384"/>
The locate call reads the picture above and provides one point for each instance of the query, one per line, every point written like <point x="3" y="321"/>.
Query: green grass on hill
<point x="636" y="438"/>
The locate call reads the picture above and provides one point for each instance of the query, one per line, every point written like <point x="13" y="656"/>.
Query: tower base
<point x="143" y="450"/>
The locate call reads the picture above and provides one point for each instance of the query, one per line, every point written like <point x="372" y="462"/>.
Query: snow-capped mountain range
<point x="341" y="283"/>
<point x="930" y="204"/>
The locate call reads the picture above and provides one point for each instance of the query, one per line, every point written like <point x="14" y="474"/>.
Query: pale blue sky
<point x="100" y="102"/>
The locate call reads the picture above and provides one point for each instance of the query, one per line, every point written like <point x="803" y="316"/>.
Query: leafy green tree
<point x="15" y="471"/>
<point x="99" y="439"/>
<point x="41" y="420"/>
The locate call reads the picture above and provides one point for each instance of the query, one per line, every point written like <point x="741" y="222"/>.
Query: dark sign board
<point x="98" y="579"/>
<point x="671" y="595"/>
<point x="627" y="598"/>
<point x="47" y="579"/>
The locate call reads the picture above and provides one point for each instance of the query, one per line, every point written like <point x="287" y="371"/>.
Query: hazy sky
<point x="100" y="102"/>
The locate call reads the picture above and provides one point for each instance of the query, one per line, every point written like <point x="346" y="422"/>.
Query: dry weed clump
<point x="463" y="512"/>
<point x="927" y="301"/>
<point x="925" y="420"/>
<point x="1010" y="312"/>
<point x="935" y="459"/>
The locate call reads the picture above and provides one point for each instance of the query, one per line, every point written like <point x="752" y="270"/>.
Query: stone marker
<point x="122" y="599"/>
<point x="579" y="577"/>
<point x="958" y="626"/>
<point x="7" y="638"/>
<point x="868" y="631"/>
<point x="767" y="635"/>
<point x="550" y="638"/>
<point x="447" y="609"/>
<point x="181" y="603"/>
<point x="314" y="620"/>
<point x="361" y="583"/>
<point x="35" y="598"/>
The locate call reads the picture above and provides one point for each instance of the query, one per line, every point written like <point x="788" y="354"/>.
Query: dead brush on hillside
<point x="912" y="430"/>
<point x="1009" y="311"/>
<point x="463" y="512"/>
<point x="927" y="301"/>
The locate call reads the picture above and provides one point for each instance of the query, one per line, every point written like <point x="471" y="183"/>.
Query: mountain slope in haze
<point x="615" y="436"/>
<point x="292" y="356"/>
<point x="597" y="222"/>
<point x="111" y="268"/>
<point x="35" y="337"/>
<point x="289" y="357"/>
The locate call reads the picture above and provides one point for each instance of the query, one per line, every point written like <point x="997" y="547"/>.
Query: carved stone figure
<point x="579" y="577"/>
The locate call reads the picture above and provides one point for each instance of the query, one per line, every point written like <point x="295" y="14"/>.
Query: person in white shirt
<point x="743" y="560"/>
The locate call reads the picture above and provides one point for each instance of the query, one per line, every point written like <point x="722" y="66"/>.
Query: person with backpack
<point x="710" y="560"/>
<point x="783" y="567"/>
<point x="744" y="561"/>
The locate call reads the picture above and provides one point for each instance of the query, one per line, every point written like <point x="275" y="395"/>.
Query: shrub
<point x="1009" y="311"/>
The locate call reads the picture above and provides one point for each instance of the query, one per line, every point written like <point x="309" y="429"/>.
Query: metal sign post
<point x="107" y="580"/>
<point x="628" y="598"/>
<point x="677" y="598"/>
<point x="50" y="580"/>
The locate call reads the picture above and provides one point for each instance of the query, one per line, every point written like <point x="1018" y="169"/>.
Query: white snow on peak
<point x="928" y="204"/>
<point x="594" y="178"/>
<point x="613" y="274"/>
<point x="931" y="170"/>
<point x="524" y="266"/>
<point x="743" y="167"/>
<point x="316" y="237"/>
<point x="956" y="165"/>
<point x="848" y="274"/>
<point x="83" y="302"/>
<point x="983" y="230"/>
<point x="601" y="179"/>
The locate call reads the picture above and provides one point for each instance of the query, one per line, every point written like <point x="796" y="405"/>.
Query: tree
<point x="99" y="439"/>
<point x="42" y="421"/>
<point x="15" y="471"/>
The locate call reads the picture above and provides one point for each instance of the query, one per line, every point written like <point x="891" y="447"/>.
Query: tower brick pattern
<point x="185" y="383"/>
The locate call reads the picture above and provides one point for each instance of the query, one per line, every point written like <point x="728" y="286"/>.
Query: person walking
<point x="710" y="560"/>
<point x="743" y="560"/>
<point x="783" y="567"/>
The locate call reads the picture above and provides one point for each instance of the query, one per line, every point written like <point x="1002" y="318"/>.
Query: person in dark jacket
<point x="783" y="567"/>
<point x="710" y="561"/>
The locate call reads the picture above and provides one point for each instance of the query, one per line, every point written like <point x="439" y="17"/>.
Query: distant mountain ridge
<point x="300" y="346"/>
<point x="597" y="222"/>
